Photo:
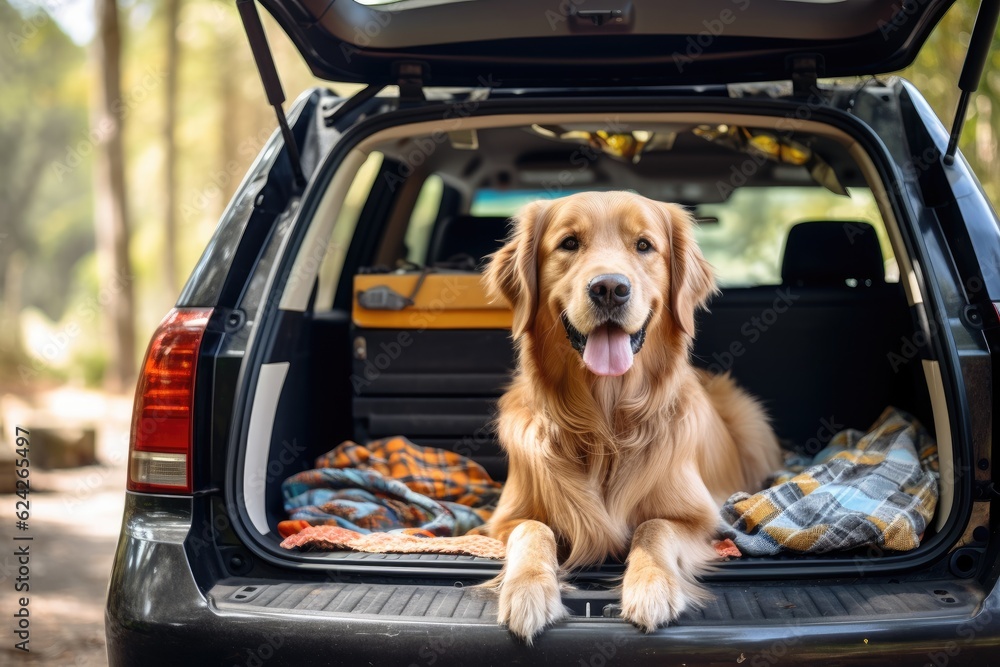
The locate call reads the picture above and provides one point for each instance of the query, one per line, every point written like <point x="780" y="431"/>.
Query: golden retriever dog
<point x="617" y="445"/>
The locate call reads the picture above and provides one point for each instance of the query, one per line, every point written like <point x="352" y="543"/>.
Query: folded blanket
<point x="331" y="538"/>
<point x="392" y="485"/>
<point x="865" y="489"/>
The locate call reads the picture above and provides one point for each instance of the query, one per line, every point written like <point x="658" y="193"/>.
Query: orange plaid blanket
<point x="391" y="485"/>
<point x="436" y="473"/>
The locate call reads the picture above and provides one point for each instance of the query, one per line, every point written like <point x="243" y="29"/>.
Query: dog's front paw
<point x="530" y="602"/>
<point x="651" y="597"/>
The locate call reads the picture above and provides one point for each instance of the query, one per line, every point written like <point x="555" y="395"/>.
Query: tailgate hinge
<point x="805" y="72"/>
<point x="410" y="78"/>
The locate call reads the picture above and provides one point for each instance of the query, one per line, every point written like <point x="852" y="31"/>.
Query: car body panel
<point x="526" y="43"/>
<point x="158" y="615"/>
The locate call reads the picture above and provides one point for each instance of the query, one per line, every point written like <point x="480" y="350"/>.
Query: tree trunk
<point x="111" y="209"/>
<point x="170" y="141"/>
<point x="230" y="162"/>
<point x="12" y="288"/>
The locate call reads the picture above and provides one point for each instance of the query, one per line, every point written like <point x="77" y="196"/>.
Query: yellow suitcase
<point x="442" y="300"/>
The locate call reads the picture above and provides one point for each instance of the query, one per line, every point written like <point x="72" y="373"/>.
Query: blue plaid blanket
<point x="865" y="489"/>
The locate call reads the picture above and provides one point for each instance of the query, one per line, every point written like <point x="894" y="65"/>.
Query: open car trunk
<point x="331" y="366"/>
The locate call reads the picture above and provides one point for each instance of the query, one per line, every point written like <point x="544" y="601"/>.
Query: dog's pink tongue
<point x="608" y="351"/>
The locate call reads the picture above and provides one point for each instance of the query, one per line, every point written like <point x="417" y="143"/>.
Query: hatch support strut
<point x="972" y="70"/>
<point x="269" y="77"/>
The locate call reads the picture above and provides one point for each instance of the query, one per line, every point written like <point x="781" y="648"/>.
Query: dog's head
<point x="609" y="268"/>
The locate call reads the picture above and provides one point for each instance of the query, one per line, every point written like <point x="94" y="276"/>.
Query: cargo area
<point x="395" y="335"/>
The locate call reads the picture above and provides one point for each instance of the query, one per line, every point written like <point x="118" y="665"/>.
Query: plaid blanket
<point x="865" y="489"/>
<point x="391" y="485"/>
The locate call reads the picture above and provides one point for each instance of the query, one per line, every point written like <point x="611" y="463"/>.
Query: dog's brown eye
<point x="642" y="245"/>
<point x="569" y="243"/>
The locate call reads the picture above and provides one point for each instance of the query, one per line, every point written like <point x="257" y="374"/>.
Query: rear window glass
<point x="746" y="244"/>
<point x="743" y="237"/>
<point x="425" y="212"/>
<point x="508" y="202"/>
<point x="343" y="229"/>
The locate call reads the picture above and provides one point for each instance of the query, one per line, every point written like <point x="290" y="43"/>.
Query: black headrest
<point x="467" y="235"/>
<point x="831" y="252"/>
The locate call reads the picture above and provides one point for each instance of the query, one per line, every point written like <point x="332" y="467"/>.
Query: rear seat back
<point x="824" y="253"/>
<point x="815" y="349"/>
<point x="466" y="236"/>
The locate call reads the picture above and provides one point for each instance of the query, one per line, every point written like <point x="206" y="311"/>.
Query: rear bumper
<point x="157" y="614"/>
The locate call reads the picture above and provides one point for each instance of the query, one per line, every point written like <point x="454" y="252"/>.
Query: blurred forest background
<point x="188" y="116"/>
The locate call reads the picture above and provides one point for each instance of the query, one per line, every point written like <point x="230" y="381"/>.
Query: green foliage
<point x="47" y="148"/>
<point x="935" y="73"/>
<point x="44" y="155"/>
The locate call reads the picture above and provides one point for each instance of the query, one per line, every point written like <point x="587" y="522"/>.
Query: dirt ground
<point x="74" y="523"/>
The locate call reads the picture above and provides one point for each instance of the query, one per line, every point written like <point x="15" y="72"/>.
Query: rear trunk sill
<point x="749" y="605"/>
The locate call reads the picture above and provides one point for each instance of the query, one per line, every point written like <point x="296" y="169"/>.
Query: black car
<point x="272" y="356"/>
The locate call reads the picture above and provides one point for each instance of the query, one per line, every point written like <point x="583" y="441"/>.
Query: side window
<point x="745" y="239"/>
<point x="421" y="224"/>
<point x="343" y="229"/>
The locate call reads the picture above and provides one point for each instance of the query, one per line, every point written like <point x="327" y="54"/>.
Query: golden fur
<point x="630" y="466"/>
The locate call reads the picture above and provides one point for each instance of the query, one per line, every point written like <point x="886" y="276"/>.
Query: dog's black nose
<point x="610" y="290"/>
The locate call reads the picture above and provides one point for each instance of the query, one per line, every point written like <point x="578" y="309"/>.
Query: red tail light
<point x="160" y="447"/>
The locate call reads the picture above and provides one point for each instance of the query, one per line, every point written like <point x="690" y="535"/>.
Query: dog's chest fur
<point x="593" y="461"/>
<point x="602" y="498"/>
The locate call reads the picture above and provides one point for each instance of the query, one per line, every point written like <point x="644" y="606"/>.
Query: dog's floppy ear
<point x="692" y="280"/>
<point x="512" y="272"/>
